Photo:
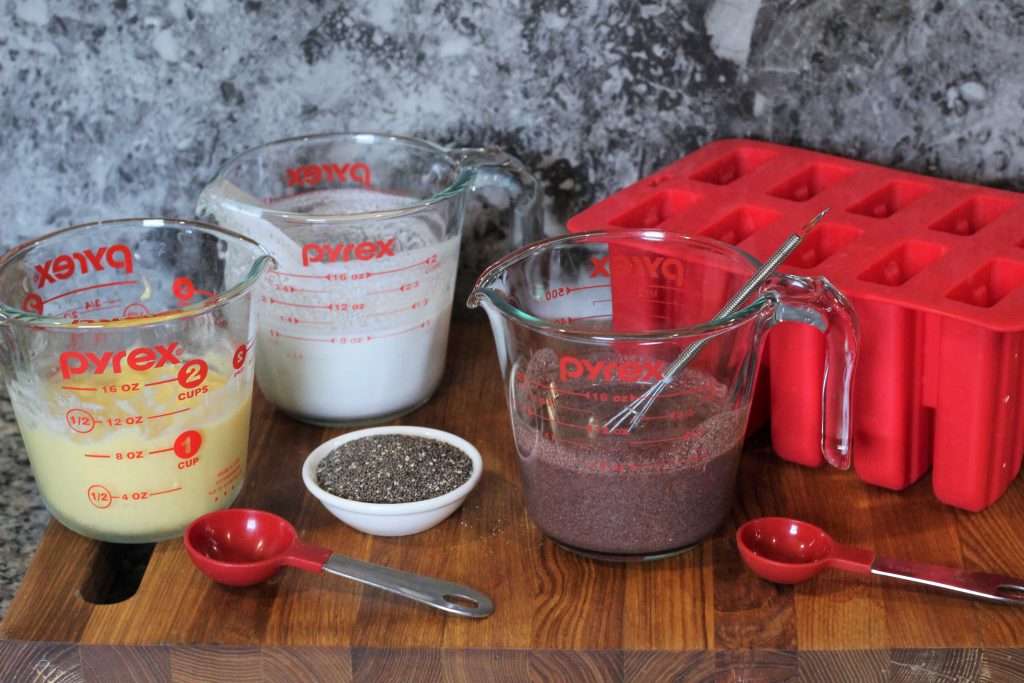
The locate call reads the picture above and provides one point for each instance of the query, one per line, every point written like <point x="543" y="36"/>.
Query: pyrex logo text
<point x="570" y="367"/>
<point x="314" y="174"/>
<point x="142" y="358"/>
<point x="362" y="251"/>
<point x="668" y="267"/>
<point x="117" y="256"/>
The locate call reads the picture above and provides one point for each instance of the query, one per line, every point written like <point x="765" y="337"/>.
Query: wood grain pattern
<point x="699" y="616"/>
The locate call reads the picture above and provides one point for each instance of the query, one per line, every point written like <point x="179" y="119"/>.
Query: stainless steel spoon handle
<point x="430" y="591"/>
<point x="1005" y="589"/>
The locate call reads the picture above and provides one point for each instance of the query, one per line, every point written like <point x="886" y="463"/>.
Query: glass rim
<point x="9" y="314"/>
<point x="482" y="288"/>
<point x="368" y="138"/>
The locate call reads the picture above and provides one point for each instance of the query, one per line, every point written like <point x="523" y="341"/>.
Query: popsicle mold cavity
<point x="741" y="224"/>
<point x="971" y="216"/>
<point x="990" y="284"/>
<point x="655" y="210"/>
<point x="903" y="263"/>
<point x="811" y="181"/>
<point x="733" y="166"/>
<point x="889" y="199"/>
<point x="825" y="240"/>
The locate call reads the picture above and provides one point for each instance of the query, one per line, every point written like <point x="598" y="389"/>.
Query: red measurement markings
<point x="558" y="293"/>
<point x="239" y="357"/>
<point x="73" y="312"/>
<point x="412" y="307"/>
<point x="571" y="320"/>
<point x="593" y="429"/>
<point x="101" y="497"/>
<point x="699" y="391"/>
<point x="184" y="289"/>
<point x="173" y="412"/>
<point x="185" y="444"/>
<point x="613" y="398"/>
<point x="80" y="420"/>
<point x="120" y="455"/>
<point x="425" y="262"/>
<point x="135" y="310"/>
<point x="588" y="317"/>
<point x="406" y="287"/>
<point x="520" y="377"/>
<point x="671" y="415"/>
<point x="343" y="307"/>
<point x="90" y="287"/>
<point x="423" y="325"/>
<point x="305" y="276"/>
<point x="69" y="388"/>
<point x="300" y="321"/>
<point x="334" y="277"/>
<point x="289" y="289"/>
<point x="558" y="407"/>
<point x="242" y="353"/>
<point x="126" y="421"/>
<point x="279" y="302"/>
<point x="332" y="340"/>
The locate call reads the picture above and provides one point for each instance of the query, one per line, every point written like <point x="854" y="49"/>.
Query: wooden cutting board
<point x="695" y="616"/>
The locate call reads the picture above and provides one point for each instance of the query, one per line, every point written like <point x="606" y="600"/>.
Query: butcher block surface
<point x="698" y="616"/>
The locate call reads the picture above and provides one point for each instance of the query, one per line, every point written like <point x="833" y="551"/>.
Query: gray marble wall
<point x="122" y="108"/>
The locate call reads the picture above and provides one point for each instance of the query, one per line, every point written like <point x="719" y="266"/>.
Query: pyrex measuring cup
<point x="365" y="229"/>
<point x="127" y="348"/>
<point x="584" y="324"/>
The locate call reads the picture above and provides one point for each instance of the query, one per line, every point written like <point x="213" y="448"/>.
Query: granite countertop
<point x="22" y="514"/>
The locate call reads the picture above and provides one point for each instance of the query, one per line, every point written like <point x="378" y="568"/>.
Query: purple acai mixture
<point x="663" y="487"/>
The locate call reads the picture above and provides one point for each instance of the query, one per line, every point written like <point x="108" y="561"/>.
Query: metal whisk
<point x="637" y="409"/>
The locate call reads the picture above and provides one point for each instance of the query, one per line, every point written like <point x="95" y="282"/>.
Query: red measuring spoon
<point x="787" y="550"/>
<point x="239" y="547"/>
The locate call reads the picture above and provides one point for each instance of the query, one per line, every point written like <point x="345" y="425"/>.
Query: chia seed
<point x="393" y="468"/>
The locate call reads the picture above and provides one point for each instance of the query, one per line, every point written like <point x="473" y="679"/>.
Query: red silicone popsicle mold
<point x="935" y="270"/>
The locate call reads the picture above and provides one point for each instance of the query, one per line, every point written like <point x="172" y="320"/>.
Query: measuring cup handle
<point x="430" y="591"/>
<point x="495" y="168"/>
<point x="814" y="301"/>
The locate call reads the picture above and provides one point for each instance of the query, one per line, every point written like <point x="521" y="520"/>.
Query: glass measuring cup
<point x="585" y="324"/>
<point x="127" y="357"/>
<point x="365" y="229"/>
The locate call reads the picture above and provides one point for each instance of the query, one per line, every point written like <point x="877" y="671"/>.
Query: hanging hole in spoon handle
<point x="1013" y="593"/>
<point x="443" y="595"/>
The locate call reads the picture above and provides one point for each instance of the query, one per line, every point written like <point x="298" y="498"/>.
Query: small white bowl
<point x="392" y="519"/>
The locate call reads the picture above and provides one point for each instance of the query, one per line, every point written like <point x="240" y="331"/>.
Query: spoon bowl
<point x="239" y="547"/>
<point x="785" y="550"/>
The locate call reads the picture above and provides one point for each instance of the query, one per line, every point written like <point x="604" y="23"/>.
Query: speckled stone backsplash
<point x="119" y="108"/>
